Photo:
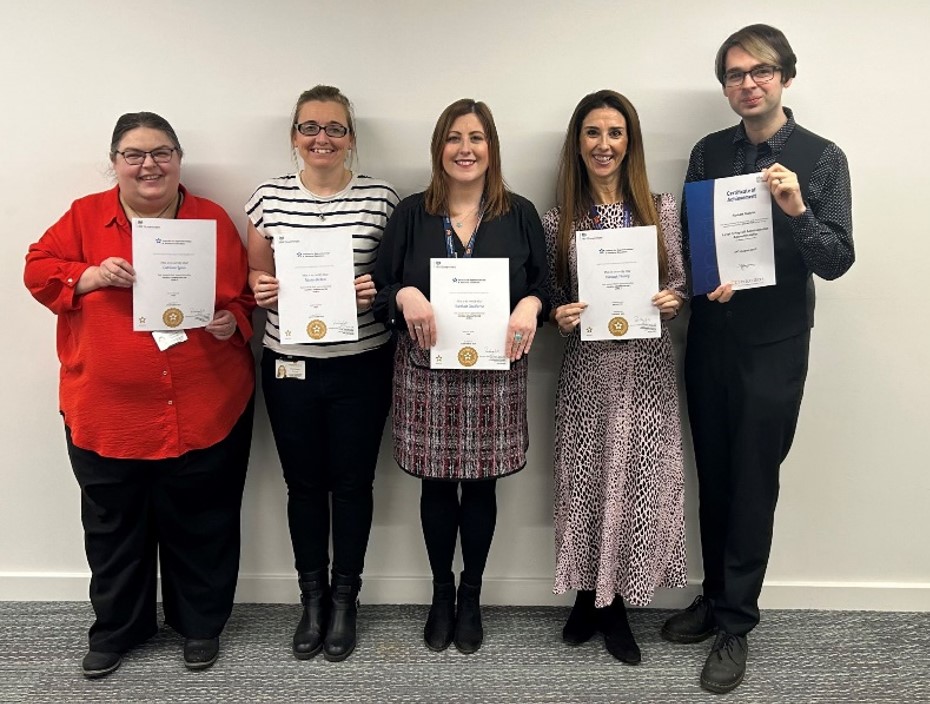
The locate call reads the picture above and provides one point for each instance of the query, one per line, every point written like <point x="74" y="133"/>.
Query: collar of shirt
<point x="775" y="143"/>
<point x="115" y="215"/>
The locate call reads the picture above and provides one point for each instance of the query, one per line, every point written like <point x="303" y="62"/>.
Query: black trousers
<point x="181" y="513"/>
<point x="743" y="403"/>
<point x="327" y="429"/>
<point x="445" y="515"/>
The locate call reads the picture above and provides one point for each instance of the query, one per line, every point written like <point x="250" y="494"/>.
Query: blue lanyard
<point x="450" y="233"/>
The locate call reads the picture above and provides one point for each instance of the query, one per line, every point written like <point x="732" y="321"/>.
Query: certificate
<point x="175" y="263"/>
<point x="316" y="298"/>
<point x="618" y="274"/>
<point x="471" y="307"/>
<point x="730" y="233"/>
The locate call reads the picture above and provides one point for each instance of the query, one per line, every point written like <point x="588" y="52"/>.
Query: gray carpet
<point x="795" y="656"/>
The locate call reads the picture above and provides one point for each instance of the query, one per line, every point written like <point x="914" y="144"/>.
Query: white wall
<point x="853" y="523"/>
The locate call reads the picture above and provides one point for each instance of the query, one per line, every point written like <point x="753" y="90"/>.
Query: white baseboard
<point x="277" y="588"/>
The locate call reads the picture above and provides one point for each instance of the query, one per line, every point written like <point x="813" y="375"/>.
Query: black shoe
<point x="99" y="664"/>
<point x="469" y="633"/>
<point x="340" y="638"/>
<point x="582" y="621"/>
<point x="694" y="624"/>
<point x="201" y="653"/>
<point x="618" y="637"/>
<point x="726" y="664"/>
<point x="440" y="624"/>
<point x="314" y="595"/>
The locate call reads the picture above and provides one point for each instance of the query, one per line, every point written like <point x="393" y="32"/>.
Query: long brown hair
<point x="573" y="190"/>
<point x="496" y="196"/>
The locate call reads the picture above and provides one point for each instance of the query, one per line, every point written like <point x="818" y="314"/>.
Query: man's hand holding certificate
<point x="471" y="306"/>
<point x="730" y="233"/>
<point x="316" y="298"/>
<point x="175" y="265"/>
<point x="617" y="278"/>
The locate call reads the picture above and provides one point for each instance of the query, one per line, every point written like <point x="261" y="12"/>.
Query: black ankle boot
<point x="618" y="637"/>
<point x="440" y="624"/>
<point x="314" y="595"/>
<point x="468" y="630"/>
<point x="582" y="621"/>
<point x="340" y="634"/>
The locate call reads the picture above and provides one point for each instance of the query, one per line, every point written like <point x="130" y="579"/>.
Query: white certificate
<point x="730" y="233"/>
<point x="175" y="263"/>
<point x="471" y="307"/>
<point x="618" y="274"/>
<point x="316" y="298"/>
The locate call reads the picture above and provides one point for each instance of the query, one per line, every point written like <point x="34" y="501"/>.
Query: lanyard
<point x="450" y="233"/>
<point x="626" y="217"/>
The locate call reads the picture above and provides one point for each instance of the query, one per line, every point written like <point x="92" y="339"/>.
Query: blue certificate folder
<point x="702" y="242"/>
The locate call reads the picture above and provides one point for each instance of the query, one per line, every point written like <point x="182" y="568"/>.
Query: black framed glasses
<point x="759" y="74"/>
<point x="312" y="129"/>
<point x="135" y="157"/>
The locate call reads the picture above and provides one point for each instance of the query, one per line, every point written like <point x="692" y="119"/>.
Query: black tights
<point x="444" y="515"/>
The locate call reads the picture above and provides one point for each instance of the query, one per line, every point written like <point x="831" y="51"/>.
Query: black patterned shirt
<point x="823" y="232"/>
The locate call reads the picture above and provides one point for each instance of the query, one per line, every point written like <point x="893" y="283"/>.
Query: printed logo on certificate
<point x="471" y="307"/>
<point x="316" y="295"/>
<point x="618" y="274"/>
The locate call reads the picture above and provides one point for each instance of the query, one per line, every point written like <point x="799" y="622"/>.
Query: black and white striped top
<point x="361" y="210"/>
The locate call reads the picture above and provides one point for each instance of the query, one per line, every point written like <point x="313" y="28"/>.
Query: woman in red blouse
<point x="158" y="425"/>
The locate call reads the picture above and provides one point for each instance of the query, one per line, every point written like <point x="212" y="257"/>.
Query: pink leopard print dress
<point x="619" y="480"/>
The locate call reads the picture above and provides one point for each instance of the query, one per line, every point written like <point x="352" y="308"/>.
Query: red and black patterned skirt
<point x="455" y="424"/>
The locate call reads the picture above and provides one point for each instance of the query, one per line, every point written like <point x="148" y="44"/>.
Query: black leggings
<point x="444" y="515"/>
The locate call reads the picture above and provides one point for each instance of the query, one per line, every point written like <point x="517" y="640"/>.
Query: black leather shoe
<point x="341" y="631"/>
<point x="694" y="624"/>
<point x="99" y="664"/>
<point x="201" y="653"/>
<point x="440" y="624"/>
<point x="314" y="595"/>
<point x="726" y="665"/>
<point x="582" y="621"/>
<point x="618" y="636"/>
<point x="469" y="633"/>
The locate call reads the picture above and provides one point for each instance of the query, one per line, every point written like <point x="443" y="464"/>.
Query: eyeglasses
<point x="312" y="129"/>
<point x="135" y="157"/>
<point x="759" y="74"/>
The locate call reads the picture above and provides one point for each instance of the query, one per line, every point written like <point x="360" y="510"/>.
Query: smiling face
<point x="465" y="154"/>
<point x="322" y="152"/>
<point x="602" y="145"/>
<point x="752" y="101"/>
<point x="148" y="187"/>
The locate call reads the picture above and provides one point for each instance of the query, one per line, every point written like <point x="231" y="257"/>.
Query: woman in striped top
<point x="327" y="401"/>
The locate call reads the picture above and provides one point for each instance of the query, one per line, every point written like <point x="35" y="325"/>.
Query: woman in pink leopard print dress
<point x="619" y="485"/>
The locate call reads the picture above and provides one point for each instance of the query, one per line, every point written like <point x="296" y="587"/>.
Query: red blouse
<point x="120" y="396"/>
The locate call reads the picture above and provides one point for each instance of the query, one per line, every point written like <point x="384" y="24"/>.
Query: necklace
<point x="327" y="200"/>
<point x="134" y="214"/>
<point x="459" y="220"/>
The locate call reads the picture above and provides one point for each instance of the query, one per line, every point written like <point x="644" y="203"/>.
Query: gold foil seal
<point x="172" y="317"/>
<point x="316" y="329"/>
<point x="468" y="356"/>
<point x="618" y="326"/>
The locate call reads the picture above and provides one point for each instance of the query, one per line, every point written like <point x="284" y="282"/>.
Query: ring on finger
<point x="517" y="336"/>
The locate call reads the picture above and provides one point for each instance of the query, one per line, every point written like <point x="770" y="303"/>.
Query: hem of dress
<point x="462" y="479"/>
